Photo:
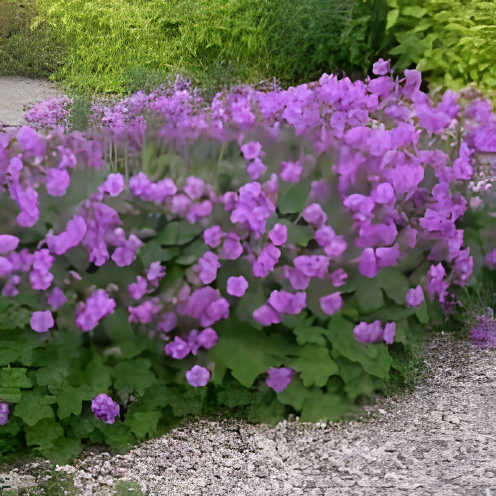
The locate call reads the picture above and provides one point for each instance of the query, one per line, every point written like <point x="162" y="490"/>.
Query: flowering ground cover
<point x="265" y="253"/>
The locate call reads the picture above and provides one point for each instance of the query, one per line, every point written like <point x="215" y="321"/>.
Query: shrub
<point x="115" y="46"/>
<point x="453" y="42"/>
<point x="25" y="51"/>
<point x="282" y="255"/>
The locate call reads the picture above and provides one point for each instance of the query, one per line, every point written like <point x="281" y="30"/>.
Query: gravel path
<point x="17" y="94"/>
<point x="437" y="440"/>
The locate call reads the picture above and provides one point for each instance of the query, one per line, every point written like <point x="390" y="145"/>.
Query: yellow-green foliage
<point x="116" y="44"/>
<point x="25" y="51"/>
<point x="112" y="39"/>
<point x="452" y="41"/>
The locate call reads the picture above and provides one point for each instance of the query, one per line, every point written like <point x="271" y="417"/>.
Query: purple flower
<point x="146" y="312"/>
<point x="278" y="234"/>
<point x="178" y="349"/>
<point x="291" y="171"/>
<point x="312" y="265"/>
<point x="198" y="376"/>
<point x="289" y="303"/>
<point x="96" y="307"/>
<point x="6" y="267"/>
<point x="266" y="315"/>
<point x="168" y="321"/>
<point x="231" y="248"/>
<point x="237" y="286"/>
<point x="368" y="333"/>
<point x="104" y="408"/>
<point x="251" y="150"/>
<point x="314" y="215"/>
<point x="279" y="378"/>
<point x="74" y="233"/>
<point x="389" y="332"/>
<point x="381" y="67"/>
<point x="256" y="168"/>
<point x="331" y="303"/>
<point x="113" y="185"/>
<point x="338" y="277"/>
<point x="367" y="264"/>
<point x="383" y="193"/>
<point x="266" y="261"/>
<point x="57" y="182"/>
<point x="213" y="236"/>
<point x="195" y="187"/>
<point x="207" y="338"/>
<point x="208" y="264"/>
<point x="138" y="289"/>
<point x="154" y="273"/>
<point x="415" y="296"/>
<point x="4" y="413"/>
<point x="8" y="243"/>
<point x="42" y="321"/>
<point x="297" y="279"/>
<point x="56" y="298"/>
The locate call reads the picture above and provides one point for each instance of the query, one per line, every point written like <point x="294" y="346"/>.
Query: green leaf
<point x="320" y="406"/>
<point x="133" y="375"/>
<point x="233" y="395"/>
<point x="33" y="407"/>
<point x="62" y="451"/>
<point x="414" y="11"/>
<point x="368" y="295"/>
<point x="116" y="435"/>
<point x="311" y="335"/>
<point x="294" y="395"/>
<point x="192" y="252"/>
<point x="152" y="251"/>
<point x="394" y="283"/>
<point x="120" y="330"/>
<point x="70" y="401"/>
<point x="392" y="18"/>
<point x="43" y="433"/>
<point x="294" y="199"/>
<point x="187" y="400"/>
<point x="422" y="314"/>
<point x="10" y="395"/>
<point x="268" y="413"/>
<point x="247" y="352"/>
<point x="14" y="378"/>
<point x="374" y="358"/>
<point x="96" y="377"/>
<point x="315" y="365"/>
<point x="178" y="233"/>
<point x="143" y="423"/>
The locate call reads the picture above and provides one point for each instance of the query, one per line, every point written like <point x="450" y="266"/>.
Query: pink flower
<point x="198" y="376"/>
<point x="237" y="286"/>
<point x="42" y="321"/>
<point x="331" y="303"/>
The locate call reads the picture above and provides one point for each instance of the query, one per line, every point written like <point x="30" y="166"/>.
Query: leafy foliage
<point x="454" y="42"/>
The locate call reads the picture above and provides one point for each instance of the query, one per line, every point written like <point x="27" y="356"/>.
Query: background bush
<point x="24" y="51"/>
<point x="453" y="42"/>
<point x="115" y="44"/>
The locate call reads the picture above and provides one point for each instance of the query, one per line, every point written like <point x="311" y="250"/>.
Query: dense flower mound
<point x="289" y="236"/>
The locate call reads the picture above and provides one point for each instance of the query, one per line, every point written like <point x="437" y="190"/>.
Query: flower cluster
<point x="104" y="408"/>
<point x="396" y="193"/>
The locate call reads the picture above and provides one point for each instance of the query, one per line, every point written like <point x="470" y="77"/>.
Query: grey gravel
<point x="18" y="94"/>
<point x="437" y="440"/>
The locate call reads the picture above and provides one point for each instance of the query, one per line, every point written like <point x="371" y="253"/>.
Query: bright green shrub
<point x="452" y="41"/>
<point x="36" y="52"/>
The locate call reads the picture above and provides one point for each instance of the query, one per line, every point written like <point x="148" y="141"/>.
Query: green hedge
<point x="115" y="45"/>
